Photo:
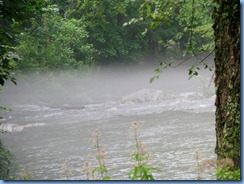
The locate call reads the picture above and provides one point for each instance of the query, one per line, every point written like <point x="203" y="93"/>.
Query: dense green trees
<point x="54" y="43"/>
<point x="79" y="34"/>
<point x="13" y="16"/>
<point x="102" y="23"/>
<point x="186" y="28"/>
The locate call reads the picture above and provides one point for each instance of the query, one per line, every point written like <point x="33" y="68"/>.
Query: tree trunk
<point x="226" y="26"/>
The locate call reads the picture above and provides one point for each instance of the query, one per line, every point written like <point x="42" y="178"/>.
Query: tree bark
<point x="226" y="26"/>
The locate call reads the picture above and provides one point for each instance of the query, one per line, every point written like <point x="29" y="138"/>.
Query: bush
<point x="54" y="44"/>
<point x="227" y="174"/>
<point x="6" y="163"/>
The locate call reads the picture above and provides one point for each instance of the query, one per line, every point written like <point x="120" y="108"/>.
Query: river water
<point x="43" y="137"/>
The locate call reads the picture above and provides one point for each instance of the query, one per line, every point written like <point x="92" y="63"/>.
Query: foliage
<point x="13" y="15"/>
<point x="113" y="31"/>
<point x="4" y="108"/>
<point x="140" y="171"/>
<point x="227" y="174"/>
<point x="103" y="20"/>
<point x="101" y="169"/>
<point x="223" y="168"/>
<point x="194" y="31"/>
<point x="6" y="163"/>
<point x="54" y="43"/>
<point x="6" y="66"/>
<point x="186" y="30"/>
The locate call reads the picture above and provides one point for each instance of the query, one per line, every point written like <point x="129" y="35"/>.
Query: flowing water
<point x="45" y="136"/>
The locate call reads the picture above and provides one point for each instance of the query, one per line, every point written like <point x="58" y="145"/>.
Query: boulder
<point x="144" y="95"/>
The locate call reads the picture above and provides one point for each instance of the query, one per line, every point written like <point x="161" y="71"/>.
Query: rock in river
<point x="144" y="95"/>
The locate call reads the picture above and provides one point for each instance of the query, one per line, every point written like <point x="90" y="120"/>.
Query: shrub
<point x="6" y="163"/>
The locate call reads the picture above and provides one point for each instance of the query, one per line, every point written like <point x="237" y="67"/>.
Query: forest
<point x="71" y="60"/>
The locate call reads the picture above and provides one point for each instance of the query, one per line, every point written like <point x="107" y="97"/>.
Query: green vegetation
<point x="100" y="172"/>
<point x="78" y="35"/>
<point x="54" y="44"/>
<point x="227" y="174"/>
<point x="6" y="163"/>
<point x="101" y="169"/>
<point x="13" y="17"/>
<point x="140" y="171"/>
<point x="222" y="167"/>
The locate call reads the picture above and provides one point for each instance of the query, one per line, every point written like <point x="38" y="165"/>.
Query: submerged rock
<point x="190" y="96"/>
<point x="72" y="107"/>
<point x="112" y="109"/>
<point x="68" y="107"/>
<point x="11" y="127"/>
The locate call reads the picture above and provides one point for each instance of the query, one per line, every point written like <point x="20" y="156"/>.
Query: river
<point x="45" y="136"/>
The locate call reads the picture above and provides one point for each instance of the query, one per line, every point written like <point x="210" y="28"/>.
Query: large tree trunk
<point x="227" y="72"/>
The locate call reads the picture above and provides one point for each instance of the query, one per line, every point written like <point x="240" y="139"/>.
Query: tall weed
<point x="140" y="171"/>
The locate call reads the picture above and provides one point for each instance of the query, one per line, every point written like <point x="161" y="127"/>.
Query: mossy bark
<point x="226" y="26"/>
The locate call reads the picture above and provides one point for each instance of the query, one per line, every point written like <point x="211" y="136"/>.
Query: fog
<point x="103" y="84"/>
<point x="54" y="117"/>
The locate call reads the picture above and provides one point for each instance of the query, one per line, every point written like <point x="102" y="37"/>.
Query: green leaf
<point x="5" y="108"/>
<point x="190" y="72"/>
<point x="152" y="79"/>
<point x="106" y="178"/>
<point x="157" y="70"/>
<point x="125" y="24"/>
<point x="154" y="25"/>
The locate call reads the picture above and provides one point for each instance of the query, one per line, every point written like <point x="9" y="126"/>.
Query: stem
<point x="138" y="146"/>
<point x="99" y="154"/>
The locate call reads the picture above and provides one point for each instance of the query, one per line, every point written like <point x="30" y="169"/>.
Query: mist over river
<point x="53" y="120"/>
